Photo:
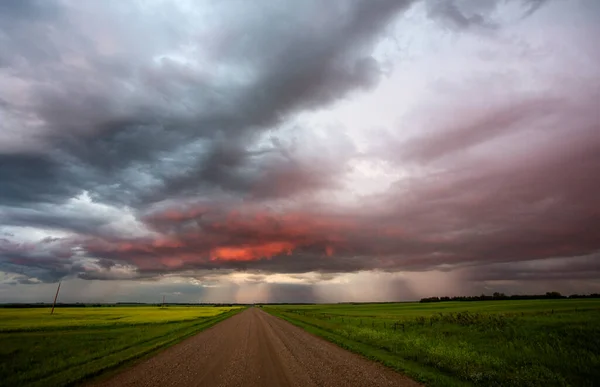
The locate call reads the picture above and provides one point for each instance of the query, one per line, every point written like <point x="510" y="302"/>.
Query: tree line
<point x="502" y="296"/>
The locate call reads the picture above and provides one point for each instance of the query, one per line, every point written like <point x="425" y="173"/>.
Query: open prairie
<point x="39" y="349"/>
<point x="483" y="343"/>
<point x="487" y="343"/>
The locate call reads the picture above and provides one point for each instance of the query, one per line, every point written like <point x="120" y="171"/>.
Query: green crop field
<point x="39" y="349"/>
<point x="484" y="343"/>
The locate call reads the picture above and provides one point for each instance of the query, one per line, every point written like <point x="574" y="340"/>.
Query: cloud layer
<point x="299" y="151"/>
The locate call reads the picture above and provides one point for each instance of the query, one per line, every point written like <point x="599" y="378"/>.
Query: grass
<point x="488" y="343"/>
<point x="39" y="349"/>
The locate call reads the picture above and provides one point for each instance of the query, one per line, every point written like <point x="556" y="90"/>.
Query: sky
<point x="298" y="151"/>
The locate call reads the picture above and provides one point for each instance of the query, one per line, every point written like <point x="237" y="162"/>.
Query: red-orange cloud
<point x="250" y="253"/>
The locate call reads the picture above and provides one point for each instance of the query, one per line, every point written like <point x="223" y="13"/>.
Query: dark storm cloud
<point x="450" y="12"/>
<point x="277" y="169"/>
<point x="556" y="269"/>
<point x="107" y="112"/>
<point x="180" y="177"/>
<point x="26" y="9"/>
<point x="47" y="263"/>
<point x="501" y="211"/>
<point x="32" y="179"/>
<point x="528" y="198"/>
<point x="534" y="5"/>
<point x="111" y="109"/>
<point x="24" y="26"/>
<point x="465" y="14"/>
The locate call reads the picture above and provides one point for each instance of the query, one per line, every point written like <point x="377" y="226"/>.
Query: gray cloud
<point x="104" y="113"/>
<point x="126" y="159"/>
<point x="466" y="14"/>
<point x="31" y="178"/>
<point x="451" y="12"/>
<point x="46" y="263"/>
<point x="534" y="5"/>
<point x="480" y="126"/>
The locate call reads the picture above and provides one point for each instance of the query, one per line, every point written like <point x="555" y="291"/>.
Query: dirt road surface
<point x="254" y="348"/>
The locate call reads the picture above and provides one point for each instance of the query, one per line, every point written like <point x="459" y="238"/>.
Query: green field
<point x="485" y="343"/>
<point x="39" y="349"/>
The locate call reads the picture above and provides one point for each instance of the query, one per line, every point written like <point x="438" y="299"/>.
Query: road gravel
<point x="254" y="348"/>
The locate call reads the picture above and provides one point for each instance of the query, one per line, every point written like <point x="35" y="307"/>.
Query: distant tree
<point x="553" y="295"/>
<point x="502" y="296"/>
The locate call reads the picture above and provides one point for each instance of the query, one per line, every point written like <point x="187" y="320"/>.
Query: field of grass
<point x="39" y="349"/>
<point x="486" y="343"/>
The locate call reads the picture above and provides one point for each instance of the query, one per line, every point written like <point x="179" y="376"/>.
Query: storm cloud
<point x="299" y="151"/>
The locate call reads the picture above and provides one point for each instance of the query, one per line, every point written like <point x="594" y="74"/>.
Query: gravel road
<point x="254" y="348"/>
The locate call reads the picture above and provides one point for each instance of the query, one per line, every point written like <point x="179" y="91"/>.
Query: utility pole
<point x="163" y="304"/>
<point x="55" y="297"/>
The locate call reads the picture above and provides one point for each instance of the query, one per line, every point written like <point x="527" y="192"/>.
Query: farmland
<point x="39" y="349"/>
<point x="487" y="343"/>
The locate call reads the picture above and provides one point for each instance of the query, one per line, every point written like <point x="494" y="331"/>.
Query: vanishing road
<point x="254" y="348"/>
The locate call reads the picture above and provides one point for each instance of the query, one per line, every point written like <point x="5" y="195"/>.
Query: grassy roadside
<point x="525" y="343"/>
<point x="55" y="356"/>
<point x="416" y="371"/>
